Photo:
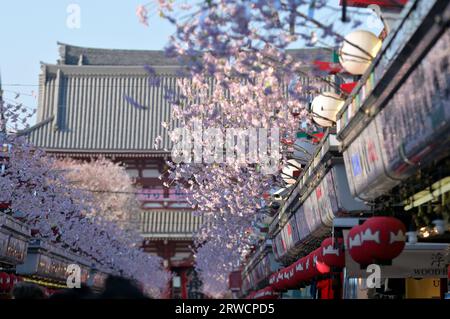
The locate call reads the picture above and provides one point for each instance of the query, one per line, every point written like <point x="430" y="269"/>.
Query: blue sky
<point x="29" y="31"/>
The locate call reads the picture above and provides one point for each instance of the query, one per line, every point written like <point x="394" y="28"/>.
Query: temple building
<point x="83" y="113"/>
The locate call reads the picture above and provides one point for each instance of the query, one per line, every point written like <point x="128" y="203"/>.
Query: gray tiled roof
<point x="169" y="224"/>
<point x="70" y="54"/>
<point x="83" y="107"/>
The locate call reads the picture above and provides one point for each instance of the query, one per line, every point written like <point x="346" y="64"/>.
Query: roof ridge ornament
<point x="81" y="59"/>
<point x="62" y="53"/>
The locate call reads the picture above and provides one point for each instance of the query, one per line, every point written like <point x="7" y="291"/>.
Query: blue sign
<point x="356" y="164"/>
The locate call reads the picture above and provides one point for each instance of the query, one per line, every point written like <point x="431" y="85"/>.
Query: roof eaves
<point x="36" y="126"/>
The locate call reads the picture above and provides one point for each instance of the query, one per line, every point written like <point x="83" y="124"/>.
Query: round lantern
<point x="325" y="107"/>
<point x="7" y="283"/>
<point x="352" y="58"/>
<point x="278" y="281"/>
<point x="291" y="171"/>
<point x="319" y="266"/>
<point x="333" y="252"/>
<point x="354" y="244"/>
<point x="3" y="281"/>
<point x="12" y="280"/>
<point x="300" y="273"/>
<point x="310" y="265"/>
<point x="289" y="277"/>
<point x="384" y="237"/>
<point x="272" y="279"/>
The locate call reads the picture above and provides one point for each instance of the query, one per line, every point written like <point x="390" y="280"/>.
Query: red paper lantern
<point x="310" y="265"/>
<point x="384" y="237"/>
<point x="333" y="252"/>
<point x="277" y="280"/>
<point x="272" y="278"/>
<point x="355" y="249"/>
<point x="4" y="281"/>
<point x="319" y="266"/>
<point x="300" y="272"/>
<point x="289" y="278"/>
<point x="12" y="281"/>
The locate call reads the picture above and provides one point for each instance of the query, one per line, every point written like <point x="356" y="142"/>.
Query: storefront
<point x="320" y="195"/>
<point x="258" y="268"/>
<point x="395" y="137"/>
<point x="392" y="126"/>
<point x="420" y="271"/>
<point x="48" y="266"/>
<point x="14" y="237"/>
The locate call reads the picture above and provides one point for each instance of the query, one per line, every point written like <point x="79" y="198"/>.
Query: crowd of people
<point x="115" y="288"/>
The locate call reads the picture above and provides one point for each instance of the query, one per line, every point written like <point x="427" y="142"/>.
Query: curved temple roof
<point x="73" y="55"/>
<point x="83" y="104"/>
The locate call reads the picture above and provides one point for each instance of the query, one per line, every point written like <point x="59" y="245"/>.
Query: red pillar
<point x="184" y="294"/>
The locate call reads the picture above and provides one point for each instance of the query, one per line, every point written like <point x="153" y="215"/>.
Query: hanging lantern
<point x="289" y="278"/>
<point x="4" y="281"/>
<point x="12" y="281"/>
<point x="352" y="58"/>
<point x="377" y="240"/>
<point x="384" y="237"/>
<point x="354" y="245"/>
<point x="272" y="278"/>
<point x="278" y="281"/>
<point x="310" y="265"/>
<point x="333" y="252"/>
<point x="291" y="171"/>
<point x="300" y="272"/>
<point x="325" y="107"/>
<point x="319" y="266"/>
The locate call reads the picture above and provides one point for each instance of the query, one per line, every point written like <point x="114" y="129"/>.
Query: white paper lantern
<point x="355" y="60"/>
<point x="325" y="107"/>
<point x="291" y="171"/>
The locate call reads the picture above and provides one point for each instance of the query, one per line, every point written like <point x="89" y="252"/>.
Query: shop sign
<point x="411" y="263"/>
<point x="278" y="245"/>
<point x="44" y="265"/>
<point x="290" y="234"/>
<point x="16" y="249"/>
<point x="312" y="215"/>
<point x="364" y="165"/>
<point x="3" y="244"/>
<point x="416" y="120"/>
<point x="326" y="199"/>
<point x="302" y="226"/>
